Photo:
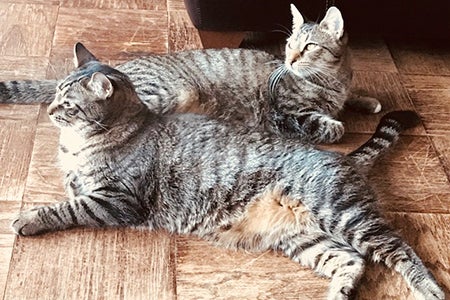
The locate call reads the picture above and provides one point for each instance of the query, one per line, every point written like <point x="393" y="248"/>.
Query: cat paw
<point x="330" y="131"/>
<point x="364" y="104"/>
<point x="27" y="223"/>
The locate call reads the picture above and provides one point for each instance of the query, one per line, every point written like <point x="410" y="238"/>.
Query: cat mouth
<point x="59" y="121"/>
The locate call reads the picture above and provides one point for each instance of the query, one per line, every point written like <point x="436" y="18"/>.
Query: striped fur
<point x="299" y="97"/>
<point x="238" y="188"/>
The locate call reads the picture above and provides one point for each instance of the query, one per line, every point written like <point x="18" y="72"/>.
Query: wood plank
<point x="6" y="248"/>
<point x="421" y="57"/>
<point x="370" y="54"/>
<point x="27" y="29"/>
<point x="411" y="178"/>
<point x="175" y="5"/>
<point x="388" y="89"/>
<point x="431" y="97"/>
<point x="9" y="210"/>
<point x="45" y="178"/>
<point x="14" y="67"/>
<point x="442" y="144"/>
<point x="93" y="264"/>
<point x="17" y="130"/>
<point x="207" y="272"/>
<point x="182" y="34"/>
<point x="118" y="4"/>
<point x="139" y="32"/>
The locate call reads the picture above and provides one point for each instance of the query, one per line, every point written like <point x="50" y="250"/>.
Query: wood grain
<point x="370" y="55"/>
<point x="182" y="34"/>
<point x="92" y="264"/>
<point x="17" y="130"/>
<point x="138" y="32"/>
<point x="207" y="272"/>
<point x="431" y="98"/>
<point x="118" y="4"/>
<point x="175" y="5"/>
<point x="6" y="248"/>
<point x="27" y="29"/>
<point x="442" y="144"/>
<point x="14" y="67"/>
<point x="421" y="57"/>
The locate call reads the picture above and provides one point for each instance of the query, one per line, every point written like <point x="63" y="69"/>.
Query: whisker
<point x="274" y="79"/>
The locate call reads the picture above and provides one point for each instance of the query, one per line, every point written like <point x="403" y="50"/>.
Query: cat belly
<point x="267" y="218"/>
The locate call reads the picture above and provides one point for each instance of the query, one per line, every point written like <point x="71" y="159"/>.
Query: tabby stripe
<point x="372" y="232"/>
<point x="298" y="249"/>
<point x="56" y="215"/>
<point x="72" y="214"/>
<point x="91" y="213"/>
<point x="112" y="210"/>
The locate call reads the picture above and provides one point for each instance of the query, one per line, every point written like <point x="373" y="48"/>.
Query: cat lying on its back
<point x="299" y="97"/>
<point x="242" y="189"/>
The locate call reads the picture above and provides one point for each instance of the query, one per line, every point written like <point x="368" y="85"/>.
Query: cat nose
<point x="51" y="109"/>
<point x="293" y="57"/>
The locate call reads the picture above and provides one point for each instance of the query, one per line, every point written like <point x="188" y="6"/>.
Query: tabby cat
<point x="300" y="97"/>
<point x="239" y="188"/>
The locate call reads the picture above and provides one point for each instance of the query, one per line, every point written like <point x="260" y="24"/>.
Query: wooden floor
<point x="36" y="39"/>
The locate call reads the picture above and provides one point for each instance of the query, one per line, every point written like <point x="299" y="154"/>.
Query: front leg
<point x="309" y="126"/>
<point x="83" y="211"/>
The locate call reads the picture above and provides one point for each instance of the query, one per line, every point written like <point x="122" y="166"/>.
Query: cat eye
<point x="311" y="46"/>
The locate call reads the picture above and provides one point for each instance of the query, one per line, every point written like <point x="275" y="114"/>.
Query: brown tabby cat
<point x="299" y="97"/>
<point x="242" y="189"/>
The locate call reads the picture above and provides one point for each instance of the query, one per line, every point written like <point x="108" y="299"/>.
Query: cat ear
<point x="297" y="18"/>
<point x="333" y="22"/>
<point x="82" y="55"/>
<point x="100" y="85"/>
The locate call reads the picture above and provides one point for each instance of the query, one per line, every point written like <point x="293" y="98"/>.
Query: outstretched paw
<point x="28" y="223"/>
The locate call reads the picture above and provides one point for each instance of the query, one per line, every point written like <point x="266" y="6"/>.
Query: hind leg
<point x="327" y="258"/>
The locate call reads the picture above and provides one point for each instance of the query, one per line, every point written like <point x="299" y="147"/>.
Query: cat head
<point x="93" y="97"/>
<point x="314" y="47"/>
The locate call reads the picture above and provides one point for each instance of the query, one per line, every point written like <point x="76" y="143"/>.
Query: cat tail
<point x="376" y="241"/>
<point x="27" y="91"/>
<point x="385" y="136"/>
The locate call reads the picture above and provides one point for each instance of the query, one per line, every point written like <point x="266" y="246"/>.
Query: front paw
<point x="364" y="104"/>
<point x="28" y="223"/>
<point x="329" y="131"/>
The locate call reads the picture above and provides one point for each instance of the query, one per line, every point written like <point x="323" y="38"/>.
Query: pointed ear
<point x="100" y="85"/>
<point x="82" y="55"/>
<point x="297" y="18"/>
<point x="333" y="22"/>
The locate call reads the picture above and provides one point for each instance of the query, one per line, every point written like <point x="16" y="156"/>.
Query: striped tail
<point x="27" y="91"/>
<point x="385" y="136"/>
